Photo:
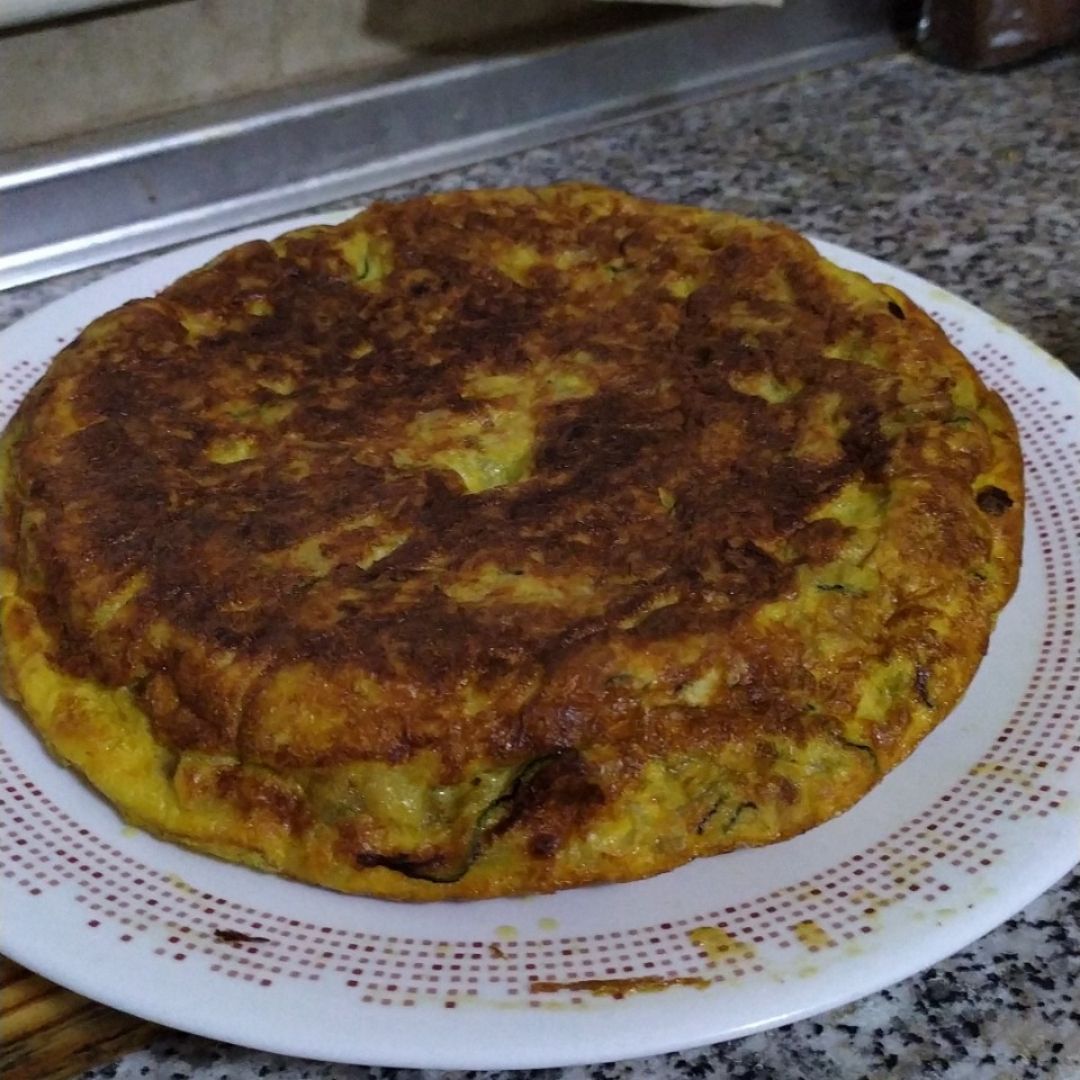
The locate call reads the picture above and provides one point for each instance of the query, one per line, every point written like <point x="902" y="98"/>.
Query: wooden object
<point x="48" y="1033"/>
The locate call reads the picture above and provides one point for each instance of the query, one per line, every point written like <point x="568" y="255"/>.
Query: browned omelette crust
<point x="494" y="542"/>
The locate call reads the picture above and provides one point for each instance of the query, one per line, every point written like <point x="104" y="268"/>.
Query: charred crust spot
<point x="552" y="799"/>
<point x="237" y="937"/>
<point x="729" y="821"/>
<point x="993" y="501"/>
<point x="865" y="447"/>
<point x="440" y="869"/>
<point x="786" y="791"/>
<point x="260" y="796"/>
<point x="543" y="845"/>
<point x="922" y="685"/>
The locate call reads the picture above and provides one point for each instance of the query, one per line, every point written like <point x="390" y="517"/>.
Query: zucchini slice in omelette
<point x="495" y="542"/>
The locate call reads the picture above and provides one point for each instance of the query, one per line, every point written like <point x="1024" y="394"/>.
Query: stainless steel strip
<point x="153" y="185"/>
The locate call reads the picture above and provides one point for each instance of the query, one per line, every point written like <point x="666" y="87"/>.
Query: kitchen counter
<point x="973" y="181"/>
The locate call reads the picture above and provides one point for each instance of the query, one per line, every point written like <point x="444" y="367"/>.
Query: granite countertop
<point x="973" y="181"/>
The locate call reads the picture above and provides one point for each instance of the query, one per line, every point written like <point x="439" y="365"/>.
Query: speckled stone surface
<point x="972" y="181"/>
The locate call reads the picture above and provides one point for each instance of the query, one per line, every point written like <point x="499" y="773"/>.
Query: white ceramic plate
<point x="980" y="820"/>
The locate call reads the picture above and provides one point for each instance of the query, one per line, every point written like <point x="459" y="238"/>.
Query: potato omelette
<point x="494" y="542"/>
